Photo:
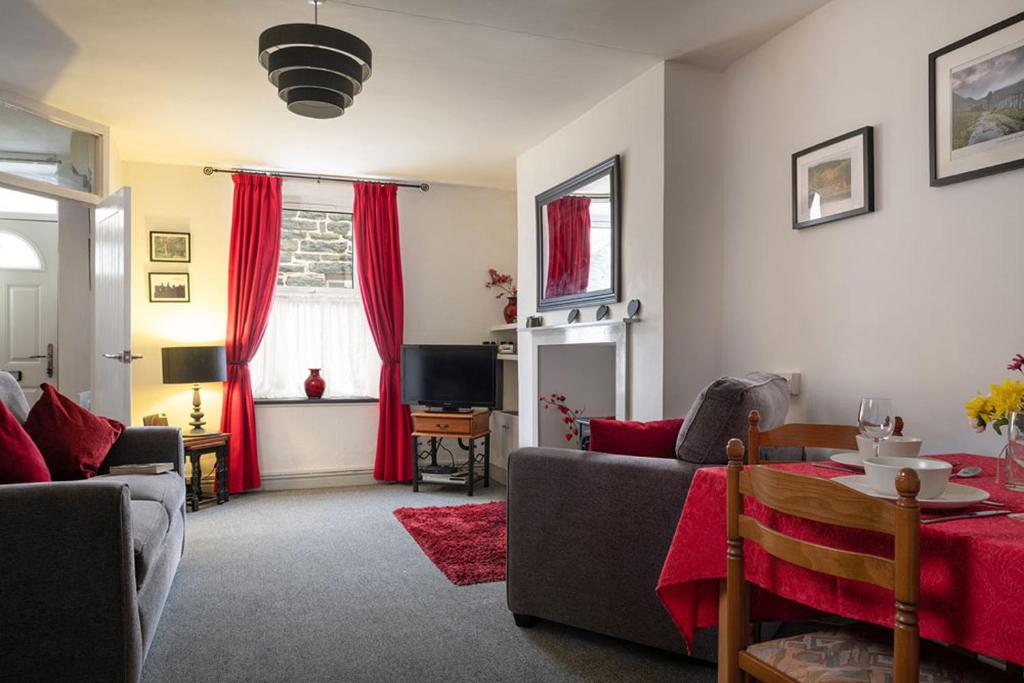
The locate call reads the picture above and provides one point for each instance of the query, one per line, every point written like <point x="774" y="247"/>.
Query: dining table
<point x="972" y="570"/>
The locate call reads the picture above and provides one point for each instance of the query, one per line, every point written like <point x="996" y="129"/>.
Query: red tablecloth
<point x="972" y="571"/>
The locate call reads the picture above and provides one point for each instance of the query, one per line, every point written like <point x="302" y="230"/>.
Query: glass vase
<point x="1011" y="464"/>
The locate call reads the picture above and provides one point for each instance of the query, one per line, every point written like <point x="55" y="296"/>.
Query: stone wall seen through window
<point x="316" y="249"/>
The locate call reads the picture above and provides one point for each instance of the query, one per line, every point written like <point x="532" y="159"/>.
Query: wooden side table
<point x="196" y="446"/>
<point x="438" y="426"/>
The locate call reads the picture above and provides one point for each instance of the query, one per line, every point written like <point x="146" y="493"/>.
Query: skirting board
<point x="499" y="474"/>
<point x="317" y="479"/>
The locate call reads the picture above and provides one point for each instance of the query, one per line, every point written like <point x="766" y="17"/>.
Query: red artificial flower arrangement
<point x="569" y="415"/>
<point x="502" y="282"/>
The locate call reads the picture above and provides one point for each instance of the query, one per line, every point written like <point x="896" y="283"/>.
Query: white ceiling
<point x="459" y="87"/>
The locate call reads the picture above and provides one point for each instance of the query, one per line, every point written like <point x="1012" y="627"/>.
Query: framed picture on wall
<point x="171" y="247"/>
<point x="976" y="107"/>
<point x="835" y="179"/>
<point x="169" y="288"/>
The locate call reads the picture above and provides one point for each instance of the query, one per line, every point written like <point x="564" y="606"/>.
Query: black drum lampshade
<point x="194" y="364"/>
<point x="317" y="70"/>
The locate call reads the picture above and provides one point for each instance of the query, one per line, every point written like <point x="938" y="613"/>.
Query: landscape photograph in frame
<point x="976" y="90"/>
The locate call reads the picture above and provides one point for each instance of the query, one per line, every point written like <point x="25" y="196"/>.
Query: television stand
<point x="471" y="427"/>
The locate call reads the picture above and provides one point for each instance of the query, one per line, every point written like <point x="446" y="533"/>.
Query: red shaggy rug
<point x="466" y="542"/>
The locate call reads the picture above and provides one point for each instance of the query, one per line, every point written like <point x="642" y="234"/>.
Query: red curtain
<point x="568" y="246"/>
<point x="379" y="265"/>
<point x="252" y="276"/>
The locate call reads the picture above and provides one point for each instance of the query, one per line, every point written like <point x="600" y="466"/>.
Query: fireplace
<point x="585" y="361"/>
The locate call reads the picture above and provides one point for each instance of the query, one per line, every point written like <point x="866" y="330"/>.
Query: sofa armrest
<point x="67" y="582"/>
<point x="587" y="536"/>
<point x="138" y="445"/>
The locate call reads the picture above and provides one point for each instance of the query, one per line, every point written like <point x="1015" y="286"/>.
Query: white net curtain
<point x="316" y="328"/>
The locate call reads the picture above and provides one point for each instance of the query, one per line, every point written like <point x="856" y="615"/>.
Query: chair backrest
<point x="825" y="501"/>
<point x="799" y="435"/>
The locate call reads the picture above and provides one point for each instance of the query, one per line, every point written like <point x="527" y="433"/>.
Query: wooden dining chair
<point x="801" y="435"/>
<point x="838" y="653"/>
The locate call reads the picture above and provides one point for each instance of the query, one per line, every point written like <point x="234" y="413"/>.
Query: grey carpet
<point x="326" y="585"/>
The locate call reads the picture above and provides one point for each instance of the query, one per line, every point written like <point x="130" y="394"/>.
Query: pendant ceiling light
<point x="318" y="70"/>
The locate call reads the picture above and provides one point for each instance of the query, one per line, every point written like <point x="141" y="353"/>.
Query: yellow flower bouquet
<point x="1003" y="399"/>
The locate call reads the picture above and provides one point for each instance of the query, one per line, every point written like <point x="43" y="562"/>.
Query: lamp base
<point x="197" y="422"/>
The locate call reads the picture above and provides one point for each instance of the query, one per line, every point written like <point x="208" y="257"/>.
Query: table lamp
<point x="193" y="365"/>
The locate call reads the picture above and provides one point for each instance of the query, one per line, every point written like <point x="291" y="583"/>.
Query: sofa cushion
<point x="73" y="441"/>
<point x="167" y="488"/>
<point x="656" y="439"/>
<point x="150" y="523"/>
<point x="20" y="460"/>
<point x="720" y="413"/>
<point x="12" y="396"/>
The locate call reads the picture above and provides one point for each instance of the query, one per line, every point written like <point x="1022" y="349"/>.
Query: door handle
<point x="49" y="359"/>
<point x="125" y="356"/>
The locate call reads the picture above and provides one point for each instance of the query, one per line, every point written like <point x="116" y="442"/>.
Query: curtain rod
<point x="210" y="170"/>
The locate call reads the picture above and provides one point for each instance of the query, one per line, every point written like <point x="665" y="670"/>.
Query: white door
<point x="112" y="372"/>
<point x="28" y="302"/>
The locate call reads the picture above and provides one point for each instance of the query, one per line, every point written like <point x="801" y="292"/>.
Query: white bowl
<point x="893" y="447"/>
<point x="933" y="474"/>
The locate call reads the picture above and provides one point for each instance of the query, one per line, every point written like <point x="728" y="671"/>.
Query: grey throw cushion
<point x="720" y="413"/>
<point x="13" y="397"/>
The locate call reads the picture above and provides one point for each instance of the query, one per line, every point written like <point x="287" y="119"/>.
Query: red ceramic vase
<point x="315" y="384"/>
<point x="511" y="310"/>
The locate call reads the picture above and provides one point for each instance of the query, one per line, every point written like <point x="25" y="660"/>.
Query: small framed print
<point x="976" y="104"/>
<point x="170" y="247"/>
<point x="835" y="179"/>
<point x="169" y="288"/>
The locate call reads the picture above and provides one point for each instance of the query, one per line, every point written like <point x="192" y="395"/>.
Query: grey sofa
<point x="86" y="566"/>
<point x="588" y="532"/>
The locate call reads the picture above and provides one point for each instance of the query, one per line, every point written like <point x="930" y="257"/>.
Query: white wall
<point x="450" y="236"/>
<point x="919" y="300"/>
<point x="630" y="122"/>
<point x="693" y="234"/>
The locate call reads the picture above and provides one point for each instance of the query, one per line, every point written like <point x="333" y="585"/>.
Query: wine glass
<point x="876" y="420"/>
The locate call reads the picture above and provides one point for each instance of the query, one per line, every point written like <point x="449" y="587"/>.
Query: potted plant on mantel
<point x="508" y="289"/>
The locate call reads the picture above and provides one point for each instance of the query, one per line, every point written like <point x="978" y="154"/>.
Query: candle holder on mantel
<point x="194" y="365"/>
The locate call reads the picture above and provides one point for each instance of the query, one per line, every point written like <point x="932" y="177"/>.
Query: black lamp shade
<point x="194" y="364"/>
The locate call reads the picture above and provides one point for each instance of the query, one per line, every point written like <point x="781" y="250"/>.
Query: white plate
<point x="849" y="458"/>
<point x="955" y="496"/>
<point x="854" y="459"/>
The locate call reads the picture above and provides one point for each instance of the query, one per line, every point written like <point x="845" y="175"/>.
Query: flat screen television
<point x="451" y="377"/>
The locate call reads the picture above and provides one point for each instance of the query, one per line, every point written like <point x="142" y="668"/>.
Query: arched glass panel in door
<point x="17" y="253"/>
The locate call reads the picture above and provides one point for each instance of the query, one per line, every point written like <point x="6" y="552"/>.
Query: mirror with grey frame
<point x="578" y="225"/>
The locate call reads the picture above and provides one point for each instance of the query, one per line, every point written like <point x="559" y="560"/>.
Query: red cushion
<point x="73" y="441"/>
<point x="655" y="439"/>
<point x="20" y="460"/>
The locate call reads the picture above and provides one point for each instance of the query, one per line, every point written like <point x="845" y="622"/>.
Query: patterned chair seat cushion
<point x="861" y="654"/>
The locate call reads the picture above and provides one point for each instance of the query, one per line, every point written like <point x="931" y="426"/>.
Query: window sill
<point x="313" y="401"/>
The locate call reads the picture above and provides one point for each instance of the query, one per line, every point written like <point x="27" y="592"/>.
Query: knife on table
<point x="966" y="515"/>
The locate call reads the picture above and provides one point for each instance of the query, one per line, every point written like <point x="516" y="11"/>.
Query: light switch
<point x="793" y="379"/>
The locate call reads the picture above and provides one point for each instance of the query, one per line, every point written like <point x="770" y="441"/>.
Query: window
<point x="317" y="319"/>
<point x="47" y="151"/>
<point x="17" y="253"/>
